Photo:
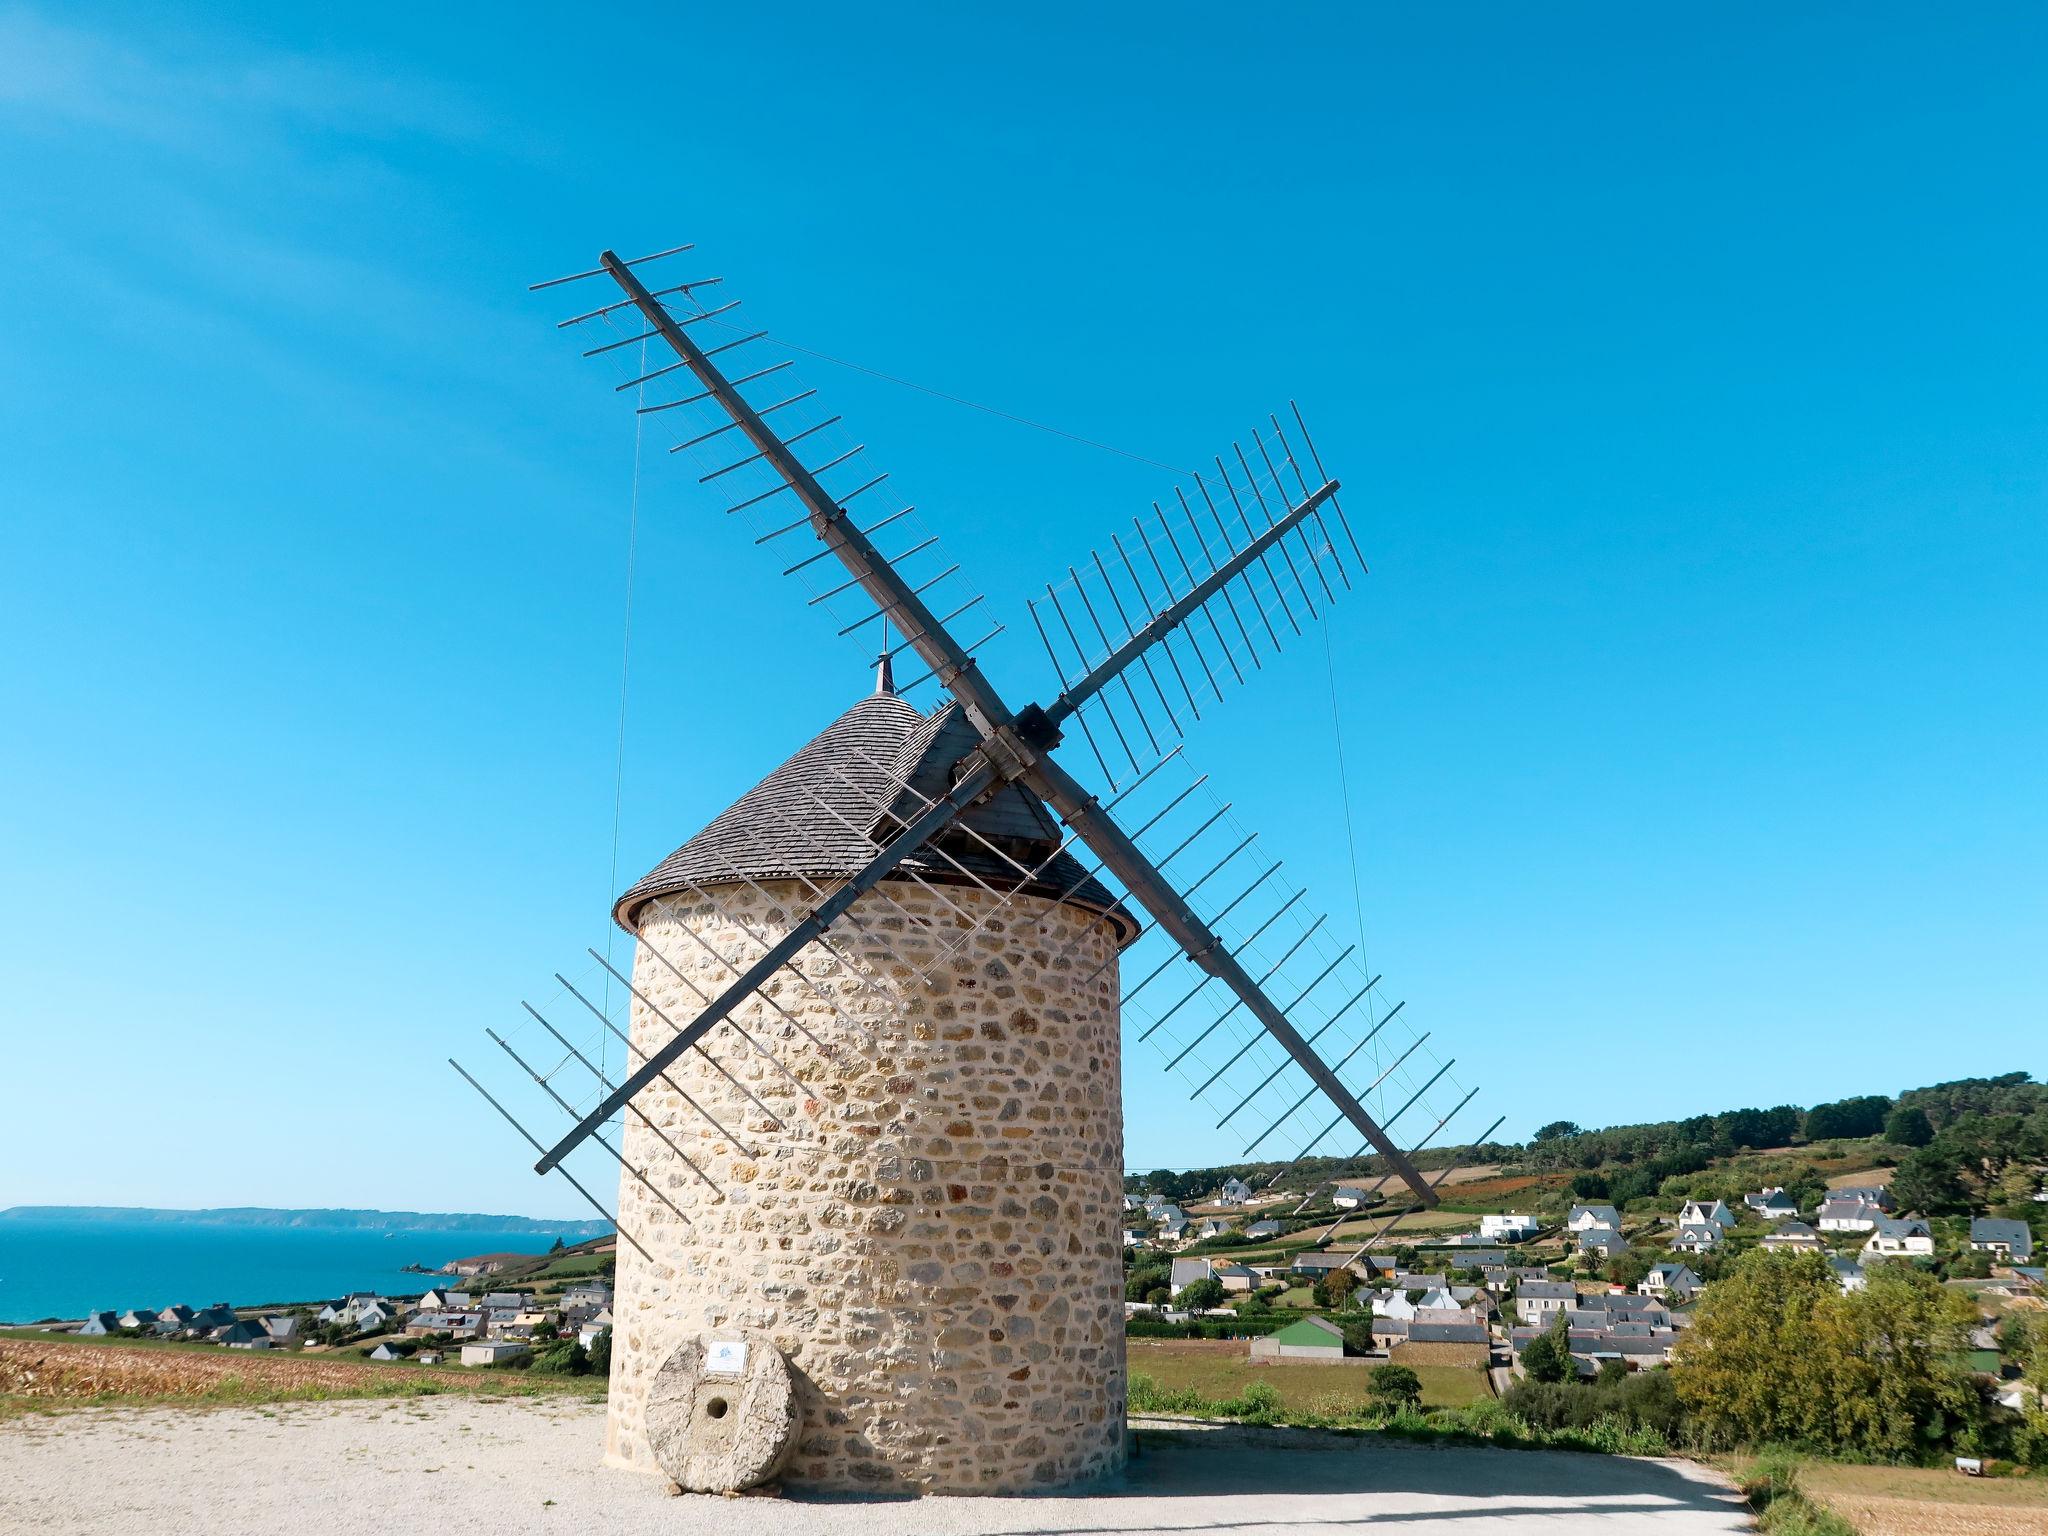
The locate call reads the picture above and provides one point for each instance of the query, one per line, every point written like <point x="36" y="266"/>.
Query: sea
<point x="66" y="1269"/>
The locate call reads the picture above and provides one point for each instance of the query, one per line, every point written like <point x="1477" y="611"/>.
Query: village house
<point x="1311" y="1267"/>
<point x="1870" y="1194"/>
<point x="1902" y="1237"/>
<point x="1236" y="1192"/>
<point x="246" y="1334"/>
<point x="1512" y="1227"/>
<point x="1696" y="1237"/>
<point x="492" y="1351"/>
<point x="1699" y="1213"/>
<point x="98" y="1323"/>
<point x="1840" y="1213"/>
<point x="1604" y="1241"/>
<point x="1793" y="1236"/>
<point x="1185" y="1272"/>
<point x="1537" y="1302"/>
<point x="1848" y="1273"/>
<point x="1348" y="1197"/>
<point x="1584" y="1218"/>
<point x="138" y="1317"/>
<point x="1772" y="1204"/>
<point x="592" y="1327"/>
<point x="209" y="1320"/>
<point x="173" y="1319"/>
<point x="1988" y="1234"/>
<point x="1671" y="1282"/>
<point x="1154" y="1200"/>
<point x="1212" y="1226"/>
<point x="1173" y="1228"/>
<point x="457" y="1325"/>
<point x="372" y="1316"/>
<point x="1313" y="1338"/>
<point x="283" y="1329"/>
<point x="1267" y="1228"/>
<point x="441" y="1299"/>
<point x="591" y="1293"/>
<point x="384" y="1351"/>
<point x="483" y="1264"/>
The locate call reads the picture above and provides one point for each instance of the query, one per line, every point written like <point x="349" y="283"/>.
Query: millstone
<point x="722" y="1412"/>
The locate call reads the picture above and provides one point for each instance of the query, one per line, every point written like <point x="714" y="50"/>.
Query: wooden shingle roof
<point x="824" y="813"/>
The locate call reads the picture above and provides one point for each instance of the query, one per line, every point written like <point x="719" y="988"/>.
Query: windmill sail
<point x="1210" y="587"/>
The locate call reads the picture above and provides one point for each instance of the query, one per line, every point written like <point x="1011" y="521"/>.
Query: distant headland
<point x="267" y="1216"/>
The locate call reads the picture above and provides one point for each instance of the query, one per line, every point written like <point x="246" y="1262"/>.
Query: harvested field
<point x="49" y="1372"/>
<point x="1472" y="1356"/>
<point x="1915" y="1501"/>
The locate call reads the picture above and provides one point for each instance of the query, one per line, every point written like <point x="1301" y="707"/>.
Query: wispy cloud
<point x="190" y="90"/>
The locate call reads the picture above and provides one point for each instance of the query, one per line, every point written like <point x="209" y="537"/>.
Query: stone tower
<point x="929" y="1229"/>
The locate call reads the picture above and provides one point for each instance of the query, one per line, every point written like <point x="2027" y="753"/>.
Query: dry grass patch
<point x="1916" y="1501"/>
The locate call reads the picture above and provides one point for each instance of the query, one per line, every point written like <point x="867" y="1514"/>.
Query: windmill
<point x="870" y="1201"/>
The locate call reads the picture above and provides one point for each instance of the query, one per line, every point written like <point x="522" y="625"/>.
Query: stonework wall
<point x="930" y="1227"/>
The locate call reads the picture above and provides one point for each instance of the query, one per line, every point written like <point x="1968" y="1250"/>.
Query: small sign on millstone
<point x="722" y="1413"/>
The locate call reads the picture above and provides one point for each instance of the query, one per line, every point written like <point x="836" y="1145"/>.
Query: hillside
<point x="1959" y="1145"/>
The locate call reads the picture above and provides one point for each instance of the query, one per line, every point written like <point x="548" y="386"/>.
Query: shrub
<point x="1396" y="1384"/>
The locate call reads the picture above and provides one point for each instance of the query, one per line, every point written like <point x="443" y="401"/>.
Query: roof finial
<point x="885" y="676"/>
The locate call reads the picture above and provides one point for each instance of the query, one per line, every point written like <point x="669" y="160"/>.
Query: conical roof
<point x="826" y="812"/>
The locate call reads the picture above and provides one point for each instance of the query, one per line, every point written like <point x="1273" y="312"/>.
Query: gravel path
<point x="452" y="1467"/>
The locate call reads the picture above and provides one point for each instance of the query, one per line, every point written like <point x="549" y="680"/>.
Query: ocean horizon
<point x="67" y="1268"/>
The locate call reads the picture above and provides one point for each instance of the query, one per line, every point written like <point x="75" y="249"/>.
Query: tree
<point x="1589" y="1186"/>
<point x="1548" y="1357"/>
<point x="1557" y="1129"/>
<point x="1200" y="1295"/>
<point x="1396" y="1384"/>
<point x="601" y="1353"/>
<point x="1778" y="1353"/>
<point x="1908" y="1126"/>
<point x="1335" y="1288"/>
<point x="558" y="1247"/>
<point x="1847" y="1118"/>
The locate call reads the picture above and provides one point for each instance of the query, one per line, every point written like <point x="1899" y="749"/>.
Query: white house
<point x="1696" y="1237"/>
<point x="1848" y="1274"/>
<point x="1347" y="1197"/>
<point x="1236" y="1191"/>
<point x="592" y="1327"/>
<point x="1537" y="1302"/>
<point x="1904" y="1237"/>
<point x="1772" y="1203"/>
<point x="1268" y="1228"/>
<point x="1988" y="1234"/>
<point x="385" y="1352"/>
<point x="492" y="1351"/>
<point x="1671" y="1281"/>
<point x="1585" y="1217"/>
<point x="1603" y="1240"/>
<point x="1850" y="1214"/>
<point x="1184" y="1273"/>
<point x="1794" y="1235"/>
<point x="1698" y="1212"/>
<point x="1512" y="1227"/>
<point x="283" y="1329"/>
<point x="102" y="1322"/>
<point x="1212" y="1227"/>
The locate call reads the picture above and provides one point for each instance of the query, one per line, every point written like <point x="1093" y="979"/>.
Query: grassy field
<point x="1222" y="1369"/>
<point x="40" y="1373"/>
<point x="1915" y="1501"/>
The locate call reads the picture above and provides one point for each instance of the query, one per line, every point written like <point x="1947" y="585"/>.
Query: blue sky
<point x="1686" y="380"/>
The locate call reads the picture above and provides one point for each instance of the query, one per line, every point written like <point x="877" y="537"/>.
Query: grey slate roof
<point x="2000" y="1229"/>
<point x="825" y="812"/>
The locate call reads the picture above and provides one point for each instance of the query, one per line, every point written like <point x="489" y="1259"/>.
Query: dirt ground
<point x="470" y="1467"/>
<point x="1911" y="1501"/>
